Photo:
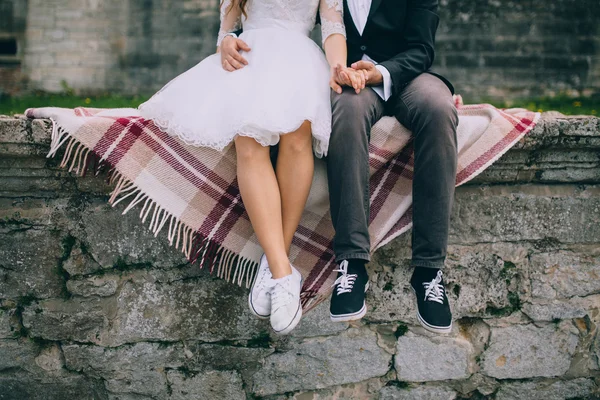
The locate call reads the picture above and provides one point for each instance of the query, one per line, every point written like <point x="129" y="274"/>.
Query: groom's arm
<point x="419" y="34"/>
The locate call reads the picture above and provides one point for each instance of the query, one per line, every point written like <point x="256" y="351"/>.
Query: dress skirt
<point x="285" y="83"/>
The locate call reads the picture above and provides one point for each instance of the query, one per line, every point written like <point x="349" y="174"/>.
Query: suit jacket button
<point x="363" y="48"/>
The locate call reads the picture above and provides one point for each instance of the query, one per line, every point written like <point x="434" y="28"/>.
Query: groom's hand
<point x="231" y="59"/>
<point x="374" y="77"/>
<point x="343" y="76"/>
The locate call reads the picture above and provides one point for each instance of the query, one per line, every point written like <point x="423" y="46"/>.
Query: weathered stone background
<point x="92" y="306"/>
<point x="497" y="49"/>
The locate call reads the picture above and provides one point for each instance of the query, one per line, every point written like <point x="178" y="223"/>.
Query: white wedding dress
<point x="285" y="82"/>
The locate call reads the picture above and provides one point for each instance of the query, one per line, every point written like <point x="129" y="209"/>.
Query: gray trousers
<point x="424" y="106"/>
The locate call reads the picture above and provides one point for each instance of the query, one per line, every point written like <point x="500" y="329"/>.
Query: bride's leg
<point x="260" y="193"/>
<point x="295" y="167"/>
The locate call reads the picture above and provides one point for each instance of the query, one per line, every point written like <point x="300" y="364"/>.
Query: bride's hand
<point x="343" y="76"/>
<point x="230" y="49"/>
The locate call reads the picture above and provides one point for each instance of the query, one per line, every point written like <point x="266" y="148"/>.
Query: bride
<point x="281" y="95"/>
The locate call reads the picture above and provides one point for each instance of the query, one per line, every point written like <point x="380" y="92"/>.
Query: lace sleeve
<point x="231" y="18"/>
<point x="332" y="18"/>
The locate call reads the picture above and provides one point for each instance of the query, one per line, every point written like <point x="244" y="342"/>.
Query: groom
<point x="393" y="42"/>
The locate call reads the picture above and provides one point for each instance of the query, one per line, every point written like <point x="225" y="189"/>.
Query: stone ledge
<point x="92" y="305"/>
<point x="559" y="149"/>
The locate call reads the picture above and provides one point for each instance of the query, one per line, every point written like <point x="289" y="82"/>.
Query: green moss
<point x="68" y="242"/>
<point x="27" y="300"/>
<point x="515" y="305"/>
<point x="515" y="301"/>
<point x="122" y="266"/>
<point x="456" y="290"/>
<point x="22" y="302"/>
<point x="14" y="219"/>
<point x="398" y="384"/>
<point x="508" y="271"/>
<point x="185" y="371"/>
<point x="263" y="339"/>
<point x="400" y="330"/>
<point x="41" y="342"/>
<point x="388" y="287"/>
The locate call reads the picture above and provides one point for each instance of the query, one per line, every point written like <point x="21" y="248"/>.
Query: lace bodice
<point x="298" y="15"/>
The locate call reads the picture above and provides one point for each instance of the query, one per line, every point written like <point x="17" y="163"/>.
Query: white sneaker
<point x="259" y="298"/>
<point x="286" y="309"/>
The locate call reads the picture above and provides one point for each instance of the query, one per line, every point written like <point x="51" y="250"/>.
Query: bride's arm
<point x="333" y="33"/>
<point x="231" y="19"/>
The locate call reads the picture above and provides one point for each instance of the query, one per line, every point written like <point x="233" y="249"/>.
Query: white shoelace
<point x="434" y="291"/>
<point x="262" y="279"/>
<point x="281" y="292"/>
<point x="346" y="281"/>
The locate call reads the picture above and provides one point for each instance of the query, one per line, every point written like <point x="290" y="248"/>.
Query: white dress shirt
<point x="359" y="11"/>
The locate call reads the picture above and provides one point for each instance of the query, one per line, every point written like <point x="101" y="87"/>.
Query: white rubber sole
<point x="252" y="310"/>
<point x="352" y="316"/>
<point x="251" y="306"/>
<point x="429" y="327"/>
<point x="432" y="328"/>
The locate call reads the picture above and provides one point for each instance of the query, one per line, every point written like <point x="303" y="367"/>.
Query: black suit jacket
<point x="399" y="35"/>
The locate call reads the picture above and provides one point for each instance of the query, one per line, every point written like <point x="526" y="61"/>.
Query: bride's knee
<point x="248" y="149"/>
<point x="298" y="141"/>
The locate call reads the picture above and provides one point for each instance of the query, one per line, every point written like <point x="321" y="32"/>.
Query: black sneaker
<point x="348" y="298"/>
<point x="433" y="309"/>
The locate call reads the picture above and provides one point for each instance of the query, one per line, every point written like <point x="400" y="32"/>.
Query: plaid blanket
<point x="192" y="192"/>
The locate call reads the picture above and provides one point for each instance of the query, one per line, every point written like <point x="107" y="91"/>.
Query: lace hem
<point x="321" y="131"/>
<point x="329" y="28"/>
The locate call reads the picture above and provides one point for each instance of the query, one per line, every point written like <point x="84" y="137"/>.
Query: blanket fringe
<point x="230" y="266"/>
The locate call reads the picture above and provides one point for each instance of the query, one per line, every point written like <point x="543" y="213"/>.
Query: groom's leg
<point x="425" y="106"/>
<point x="348" y="170"/>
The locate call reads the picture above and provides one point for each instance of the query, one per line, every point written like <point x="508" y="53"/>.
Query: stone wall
<point x="488" y="48"/>
<point x="92" y="306"/>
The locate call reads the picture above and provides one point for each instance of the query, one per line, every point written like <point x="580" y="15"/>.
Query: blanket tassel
<point x="224" y="263"/>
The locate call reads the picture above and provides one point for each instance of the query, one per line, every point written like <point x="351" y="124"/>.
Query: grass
<point x="562" y="103"/>
<point x="18" y="104"/>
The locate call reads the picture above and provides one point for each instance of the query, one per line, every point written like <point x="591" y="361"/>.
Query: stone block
<point x="21" y="385"/>
<point x="213" y="310"/>
<point x="130" y="242"/>
<point x="525" y="213"/>
<point x="102" y="286"/>
<point x="551" y="310"/>
<point x="559" y="390"/>
<point x="320" y="362"/>
<point x="56" y="319"/>
<point x="526" y="351"/>
<point x="564" y="274"/>
<point x="208" y="385"/>
<point x="17" y="353"/>
<point x="29" y="262"/>
<point x="424" y="392"/>
<point x="424" y="359"/>
<point x="7" y="326"/>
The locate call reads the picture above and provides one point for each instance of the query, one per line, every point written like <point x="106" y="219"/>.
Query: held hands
<point x="230" y="48"/>
<point x="360" y="75"/>
<point x="344" y="76"/>
<point x="374" y="77"/>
